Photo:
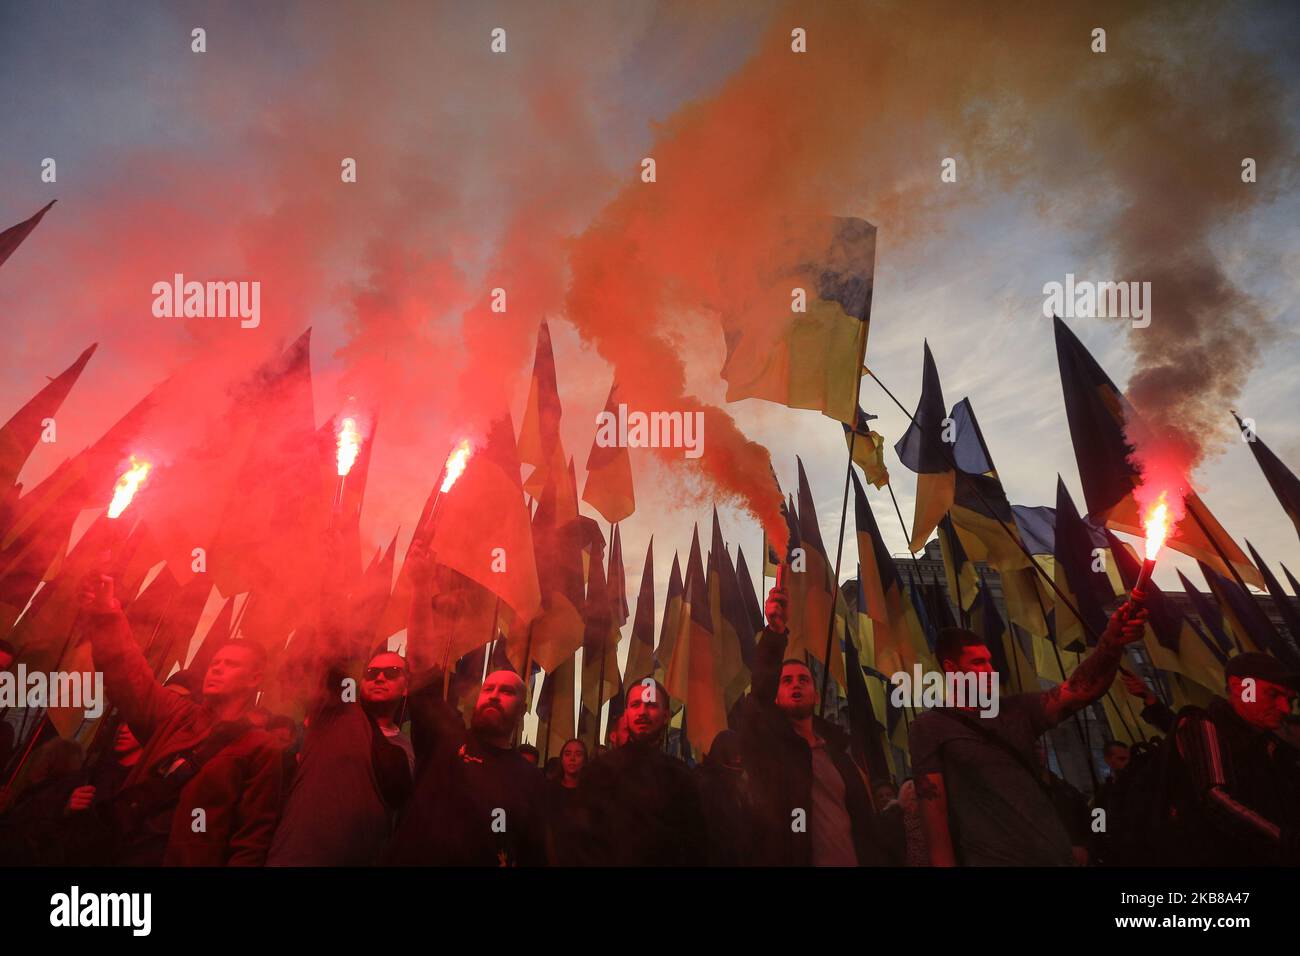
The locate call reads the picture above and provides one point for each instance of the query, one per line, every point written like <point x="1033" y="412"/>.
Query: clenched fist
<point x="419" y="565"/>
<point x="1126" y="624"/>
<point x="775" y="609"/>
<point x="81" y="799"/>
<point x="97" y="595"/>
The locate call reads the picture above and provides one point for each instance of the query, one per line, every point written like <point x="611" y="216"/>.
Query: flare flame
<point x="456" y="463"/>
<point x="128" y="484"/>
<point x="1156" y="524"/>
<point x="349" y="444"/>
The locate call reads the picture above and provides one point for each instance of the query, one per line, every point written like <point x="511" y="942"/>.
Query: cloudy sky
<point x="522" y="169"/>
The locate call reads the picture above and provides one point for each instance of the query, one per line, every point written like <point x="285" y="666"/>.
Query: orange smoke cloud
<point x="859" y="125"/>
<point x="468" y="186"/>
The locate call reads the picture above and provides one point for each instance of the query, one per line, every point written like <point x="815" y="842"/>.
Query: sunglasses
<point x="390" y="673"/>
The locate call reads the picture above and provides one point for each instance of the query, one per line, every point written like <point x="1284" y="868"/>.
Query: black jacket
<point x="473" y="804"/>
<point x="779" y="764"/>
<point x="1234" y="773"/>
<point x="636" y="806"/>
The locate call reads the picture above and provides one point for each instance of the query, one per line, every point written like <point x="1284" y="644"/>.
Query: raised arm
<point x="1096" y="672"/>
<point x="1154" y="711"/>
<point x="128" y="679"/>
<point x="421" y="656"/>
<point x="314" y="666"/>
<point x="770" y="650"/>
<point x="757" y="716"/>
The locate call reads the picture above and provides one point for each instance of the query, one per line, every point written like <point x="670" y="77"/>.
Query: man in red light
<point x="477" y="800"/>
<point x="200" y="760"/>
<point x="355" y="772"/>
<point x="811" y="801"/>
<point x="618" y="734"/>
<point x="1244" y="804"/>
<point x="980" y="772"/>
<point x="636" y="805"/>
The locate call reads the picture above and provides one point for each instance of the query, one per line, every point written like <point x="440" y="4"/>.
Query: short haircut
<point x="528" y="749"/>
<point x="661" y="692"/>
<point x="385" y="654"/>
<point x="254" y="648"/>
<point x="952" y="640"/>
<point x="798" y="662"/>
<point x="1112" y="745"/>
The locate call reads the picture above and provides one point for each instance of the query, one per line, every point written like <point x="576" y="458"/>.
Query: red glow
<point x="349" y="444"/>
<point x="128" y="484"/>
<point x="456" y="463"/>
<point x="1156" y="522"/>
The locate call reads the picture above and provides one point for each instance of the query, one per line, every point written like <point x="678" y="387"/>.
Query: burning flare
<point x="128" y="485"/>
<point x="349" y="445"/>
<point x="1156" y="523"/>
<point x="456" y="463"/>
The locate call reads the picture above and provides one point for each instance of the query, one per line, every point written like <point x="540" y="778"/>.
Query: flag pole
<point x="604" y="645"/>
<point x="528" y="667"/>
<point x="116" y="538"/>
<point x="1015" y="539"/>
<point x="492" y="634"/>
<point x="1080" y="723"/>
<point x="916" y="565"/>
<point x="835" y="581"/>
<point x="844" y="511"/>
<point x="1224" y="558"/>
<point x="962" y="613"/>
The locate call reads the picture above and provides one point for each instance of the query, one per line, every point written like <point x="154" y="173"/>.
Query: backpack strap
<point x="133" y="808"/>
<point x="187" y="763"/>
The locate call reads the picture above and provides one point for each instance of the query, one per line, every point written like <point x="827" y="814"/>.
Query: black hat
<point x="1261" y="667"/>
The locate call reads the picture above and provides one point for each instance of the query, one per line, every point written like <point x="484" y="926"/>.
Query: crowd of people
<point x="385" y="771"/>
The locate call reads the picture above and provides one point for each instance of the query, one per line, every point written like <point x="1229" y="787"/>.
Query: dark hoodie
<point x="780" y="765"/>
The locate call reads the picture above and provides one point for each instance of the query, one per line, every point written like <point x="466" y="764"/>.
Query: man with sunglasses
<point x="355" y="772"/>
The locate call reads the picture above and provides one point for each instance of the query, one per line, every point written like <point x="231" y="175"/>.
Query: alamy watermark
<point x="78" y="690"/>
<point x="651" y="430"/>
<point x="976" y="690"/>
<point x="75" y="908"/>
<point x="1098" y="300"/>
<point x="208" y="300"/>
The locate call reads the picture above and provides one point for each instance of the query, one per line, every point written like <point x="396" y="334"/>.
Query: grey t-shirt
<point x="832" y="831"/>
<point x="998" y="813"/>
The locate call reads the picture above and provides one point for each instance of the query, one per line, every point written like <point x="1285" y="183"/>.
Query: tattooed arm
<point x="933" y="800"/>
<point x="1096" y="672"/>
